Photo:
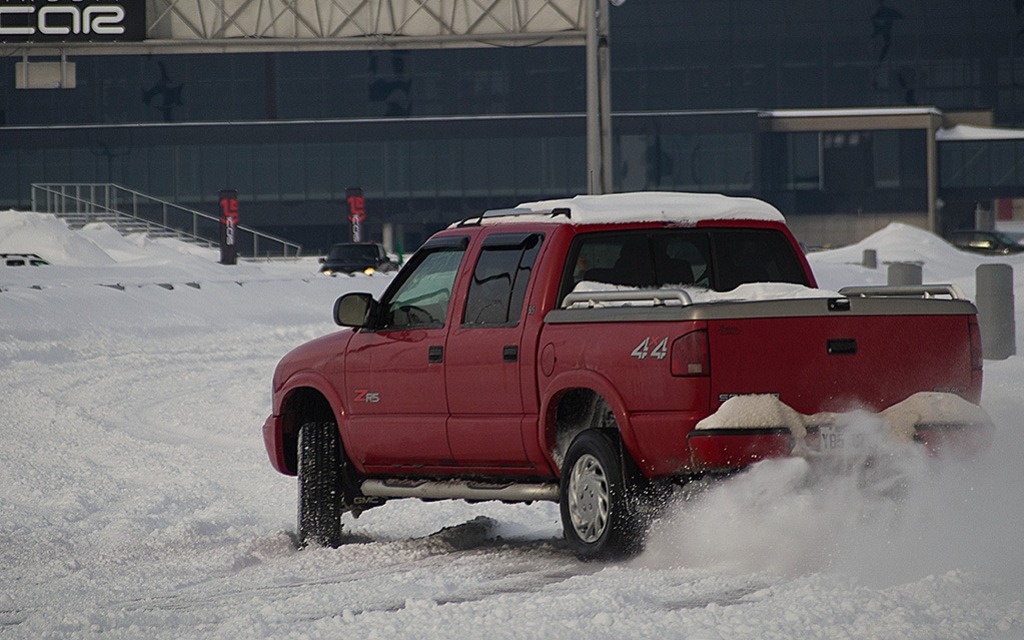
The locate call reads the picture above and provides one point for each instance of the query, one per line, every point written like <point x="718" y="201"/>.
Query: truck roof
<point x="641" y="206"/>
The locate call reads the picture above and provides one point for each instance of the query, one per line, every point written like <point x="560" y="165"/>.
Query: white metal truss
<point x="469" y="20"/>
<point x="216" y="26"/>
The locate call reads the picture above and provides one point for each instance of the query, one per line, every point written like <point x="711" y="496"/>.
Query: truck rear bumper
<point x="945" y="425"/>
<point x="956" y="440"/>
<point x="720" y="450"/>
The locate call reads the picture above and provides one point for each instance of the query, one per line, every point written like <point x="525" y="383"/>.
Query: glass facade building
<point x="435" y="135"/>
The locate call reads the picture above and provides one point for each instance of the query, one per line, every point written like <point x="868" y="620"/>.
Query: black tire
<point x="320" y="484"/>
<point x="598" y="494"/>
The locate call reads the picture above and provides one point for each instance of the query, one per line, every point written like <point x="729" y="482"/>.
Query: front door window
<point x="421" y="301"/>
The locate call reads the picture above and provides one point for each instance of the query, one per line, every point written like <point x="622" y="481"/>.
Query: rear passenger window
<point x="619" y="259"/>
<point x="719" y="259"/>
<point x="754" y="255"/>
<point x="681" y="259"/>
<point x="641" y="259"/>
<point x="500" y="278"/>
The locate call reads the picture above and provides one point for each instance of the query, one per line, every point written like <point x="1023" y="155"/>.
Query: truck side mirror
<point x="353" y="309"/>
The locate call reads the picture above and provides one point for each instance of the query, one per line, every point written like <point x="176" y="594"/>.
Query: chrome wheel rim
<point x="588" y="498"/>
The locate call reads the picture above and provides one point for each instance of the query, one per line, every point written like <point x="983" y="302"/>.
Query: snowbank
<point x="941" y="262"/>
<point x="48" y="237"/>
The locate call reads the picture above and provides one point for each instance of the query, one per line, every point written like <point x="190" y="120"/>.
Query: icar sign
<point x="72" y="21"/>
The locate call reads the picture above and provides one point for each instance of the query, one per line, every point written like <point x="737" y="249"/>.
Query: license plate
<point x="835" y="439"/>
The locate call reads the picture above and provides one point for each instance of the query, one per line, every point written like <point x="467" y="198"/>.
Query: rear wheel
<point x="320" y="484"/>
<point x="599" y="488"/>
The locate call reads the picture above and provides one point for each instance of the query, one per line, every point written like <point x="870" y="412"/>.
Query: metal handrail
<point x="904" y="291"/>
<point x="99" y="209"/>
<point x="87" y="198"/>
<point x="657" y="298"/>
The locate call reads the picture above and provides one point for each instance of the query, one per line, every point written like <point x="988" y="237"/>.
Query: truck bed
<point x="829" y="354"/>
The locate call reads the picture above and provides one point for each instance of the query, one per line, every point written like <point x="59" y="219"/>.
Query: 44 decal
<point x="651" y="348"/>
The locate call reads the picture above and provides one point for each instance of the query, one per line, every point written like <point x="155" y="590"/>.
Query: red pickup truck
<point x="597" y="349"/>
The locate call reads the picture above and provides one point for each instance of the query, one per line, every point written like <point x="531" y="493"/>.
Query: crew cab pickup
<point x="594" y="350"/>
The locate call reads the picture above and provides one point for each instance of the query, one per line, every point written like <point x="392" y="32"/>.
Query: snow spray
<point x="887" y="514"/>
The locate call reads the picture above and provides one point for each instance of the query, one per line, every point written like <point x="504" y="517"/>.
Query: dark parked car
<point x="988" y="242"/>
<point x="352" y="257"/>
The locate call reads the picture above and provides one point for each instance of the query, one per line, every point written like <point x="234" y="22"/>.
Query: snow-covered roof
<point x="649" y="206"/>
<point x="859" y="112"/>
<point x="969" y="132"/>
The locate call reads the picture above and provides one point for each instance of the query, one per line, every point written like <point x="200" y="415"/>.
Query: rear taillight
<point x="690" y="355"/>
<point x="975" y="334"/>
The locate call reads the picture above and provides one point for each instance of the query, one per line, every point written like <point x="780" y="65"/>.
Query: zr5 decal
<point x="366" y="396"/>
<point x="645" y="350"/>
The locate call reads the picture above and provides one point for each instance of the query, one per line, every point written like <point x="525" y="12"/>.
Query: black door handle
<point x="842" y="346"/>
<point x="510" y="353"/>
<point x="435" y="354"/>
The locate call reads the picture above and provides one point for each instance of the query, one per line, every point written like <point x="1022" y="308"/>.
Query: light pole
<point x="599" y="115"/>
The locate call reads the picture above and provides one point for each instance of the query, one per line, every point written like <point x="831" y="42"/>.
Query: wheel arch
<point x="305" y="397"/>
<point x="568" y="408"/>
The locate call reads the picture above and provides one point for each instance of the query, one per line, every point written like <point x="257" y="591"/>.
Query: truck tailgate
<point x="841" y="355"/>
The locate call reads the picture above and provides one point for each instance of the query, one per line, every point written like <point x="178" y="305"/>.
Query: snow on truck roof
<point x="641" y="206"/>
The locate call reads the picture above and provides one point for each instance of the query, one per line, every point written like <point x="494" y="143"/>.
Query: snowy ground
<point x="136" y="499"/>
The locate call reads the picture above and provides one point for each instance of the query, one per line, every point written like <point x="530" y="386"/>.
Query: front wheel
<point x="320" y="484"/>
<point x="599" y="483"/>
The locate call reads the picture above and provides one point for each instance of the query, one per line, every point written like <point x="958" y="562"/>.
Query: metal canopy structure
<point x="221" y="26"/>
<point x="365" y="23"/>
<point x="237" y="26"/>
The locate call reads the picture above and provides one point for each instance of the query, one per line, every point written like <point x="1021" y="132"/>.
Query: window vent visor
<point x="690" y="355"/>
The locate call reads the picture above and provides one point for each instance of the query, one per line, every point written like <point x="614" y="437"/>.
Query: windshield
<point x="1005" y="238"/>
<point x="360" y="252"/>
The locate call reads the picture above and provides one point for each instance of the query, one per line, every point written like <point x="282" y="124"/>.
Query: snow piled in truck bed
<point x="136" y="499"/>
<point x="749" y="292"/>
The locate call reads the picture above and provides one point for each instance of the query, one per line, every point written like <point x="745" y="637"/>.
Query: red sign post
<point x="228" y="224"/>
<point x="356" y="211"/>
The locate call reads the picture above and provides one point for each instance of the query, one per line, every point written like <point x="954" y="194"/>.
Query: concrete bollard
<point x="870" y="259"/>
<point x="995" y="311"/>
<point x="904" y="274"/>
